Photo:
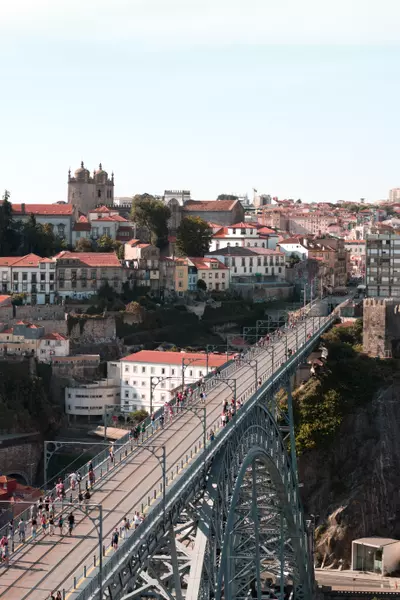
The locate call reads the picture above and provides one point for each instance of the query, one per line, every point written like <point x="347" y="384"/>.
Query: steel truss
<point x="230" y="521"/>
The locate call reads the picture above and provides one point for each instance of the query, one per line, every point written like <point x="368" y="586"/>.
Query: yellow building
<point x="181" y="279"/>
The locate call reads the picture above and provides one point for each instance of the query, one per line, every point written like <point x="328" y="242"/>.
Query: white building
<point x="60" y="216"/>
<point x="28" y="339"/>
<point x="52" y="345"/>
<point x="376" y="555"/>
<point x="247" y="262"/>
<point x="294" y="246"/>
<point x="164" y="370"/>
<point x="30" y="275"/>
<point x="245" y="235"/>
<point x="394" y="195"/>
<point x="89" y="400"/>
<point x="212" y="271"/>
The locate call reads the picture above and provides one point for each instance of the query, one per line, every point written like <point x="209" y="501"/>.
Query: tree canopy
<point x="83" y="245"/>
<point x="153" y="215"/>
<point x="193" y="237"/>
<point x="227" y="197"/>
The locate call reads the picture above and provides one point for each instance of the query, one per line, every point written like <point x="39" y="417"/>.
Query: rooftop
<point x="205" y="263"/>
<point x="376" y="542"/>
<point x="43" y="209"/>
<point x="91" y="259"/>
<point x="210" y="205"/>
<point x="175" y="358"/>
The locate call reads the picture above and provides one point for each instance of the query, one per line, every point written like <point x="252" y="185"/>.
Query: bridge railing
<point x="102" y="464"/>
<point x="187" y="471"/>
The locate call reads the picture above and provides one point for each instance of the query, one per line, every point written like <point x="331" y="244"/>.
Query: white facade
<point x="51" y="346"/>
<point x="373" y="554"/>
<point x="164" y="369"/>
<point x="295" y="248"/>
<point x="248" y="265"/>
<point x="30" y="275"/>
<point x="243" y="235"/>
<point x="90" y="399"/>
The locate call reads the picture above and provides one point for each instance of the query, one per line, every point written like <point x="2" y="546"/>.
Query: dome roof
<point x="101" y="172"/>
<point x="81" y="172"/>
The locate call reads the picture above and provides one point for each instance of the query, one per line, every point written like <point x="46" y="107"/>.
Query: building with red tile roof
<point x="136" y="371"/>
<point x="60" y="216"/>
<point x="82" y="274"/>
<point x="213" y="272"/>
<point x="30" y="275"/>
<point x="224" y="212"/>
<point x="29" y="339"/>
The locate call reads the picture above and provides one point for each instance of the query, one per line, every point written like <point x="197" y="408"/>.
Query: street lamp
<point x="154" y="381"/>
<point x="186" y="362"/>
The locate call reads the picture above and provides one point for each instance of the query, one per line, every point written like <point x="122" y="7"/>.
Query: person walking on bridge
<point x="71" y="523"/>
<point x="114" y="539"/>
<point x="22" y="530"/>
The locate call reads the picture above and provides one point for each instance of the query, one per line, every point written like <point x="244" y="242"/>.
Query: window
<point x="15" y="276"/>
<point x="42" y="287"/>
<point x="223" y="285"/>
<point x="126" y="382"/>
<point x="126" y="368"/>
<point x="126" y="394"/>
<point x="152" y="370"/>
<point x="163" y="371"/>
<point x="203" y="275"/>
<point x="143" y="383"/>
<point x="99" y="193"/>
<point x="216" y="275"/>
<point x="61" y="274"/>
<point x="24" y="276"/>
<point x="61" y="284"/>
<point x="210" y="276"/>
<point x="223" y="275"/>
<point x="42" y="276"/>
<point x="172" y="371"/>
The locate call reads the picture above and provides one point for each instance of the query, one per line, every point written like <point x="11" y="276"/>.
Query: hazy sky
<point x="298" y="98"/>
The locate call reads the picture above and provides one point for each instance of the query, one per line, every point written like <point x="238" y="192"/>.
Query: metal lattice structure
<point x="231" y="520"/>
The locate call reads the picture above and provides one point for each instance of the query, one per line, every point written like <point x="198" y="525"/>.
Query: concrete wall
<point x="381" y="333"/>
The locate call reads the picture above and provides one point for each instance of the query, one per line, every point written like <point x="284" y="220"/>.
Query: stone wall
<point x="381" y="333"/>
<point x="48" y="312"/>
<point x="22" y="460"/>
<point x="92" y="331"/>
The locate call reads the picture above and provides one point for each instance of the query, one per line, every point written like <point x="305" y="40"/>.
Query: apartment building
<point x="82" y="274"/>
<point x="212" y="271"/>
<point x="60" y="216"/>
<point x="30" y="275"/>
<point x="174" y="276"/>
<point x="316" y="223"/>
<point x="142" y="262"/>
<point x="152" y="377"/>
<point x="383" y="265"/>
<point x="102" y="221"/>
<point x="88" y="401"/>
<point x="26" y="338"/>
<point x="356" y="250"/>
<point x="248" y="262"/>
<point x="245" y="235"/>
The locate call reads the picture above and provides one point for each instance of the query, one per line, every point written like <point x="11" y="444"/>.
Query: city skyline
<point x="215" y="97"/>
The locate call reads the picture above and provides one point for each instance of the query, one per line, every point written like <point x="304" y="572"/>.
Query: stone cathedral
<point x="87" y="191"/>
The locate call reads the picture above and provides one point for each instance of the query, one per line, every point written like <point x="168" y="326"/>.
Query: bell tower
<point x="86" y="192"/>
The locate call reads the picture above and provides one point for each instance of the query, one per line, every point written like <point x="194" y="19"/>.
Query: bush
<point x="139" y="415"/>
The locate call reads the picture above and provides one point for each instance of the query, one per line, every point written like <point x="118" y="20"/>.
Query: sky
<point x="296" y="98"/>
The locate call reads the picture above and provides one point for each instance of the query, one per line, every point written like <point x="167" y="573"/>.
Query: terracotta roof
<point x="210" y="205"/>
<point x="110" y="218"/>
<point x="132" y="242"/>
<point x="91" y="259"/>
<point x="266" y="231"/>
<point x="30" y="260"/>
<point x="101" y="209"/>
<point x="43" y="209"/>
<point x="5" y="300"/>
<point x="242" y="226"/>
<point x="201" y="263"/>
<point x="54" y="336"/>
<point x="175" y="358"/>
<point x="257" y="250"/>
<point x="8" y="261"/>
<point x="232" y="251"/>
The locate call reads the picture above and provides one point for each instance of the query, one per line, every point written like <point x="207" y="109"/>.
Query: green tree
<point x="9" y="230"/>
<point x="227" y="197"/>
<point x="105" y="244"/>
<point x="201" y="285"/>
<point x="119" y="249"/>
<point x="193" y="237"/>
<point x="83" y="245"/>
<point x="153" y="215"/>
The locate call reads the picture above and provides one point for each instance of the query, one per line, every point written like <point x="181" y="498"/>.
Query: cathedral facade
<point x="86" y="191"/>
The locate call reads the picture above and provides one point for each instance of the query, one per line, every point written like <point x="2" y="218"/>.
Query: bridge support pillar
<point x="175" y="566"/>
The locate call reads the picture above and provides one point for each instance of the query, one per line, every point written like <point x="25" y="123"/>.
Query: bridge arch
<point x="20" y="476"/>
<point x="251" y="524"/>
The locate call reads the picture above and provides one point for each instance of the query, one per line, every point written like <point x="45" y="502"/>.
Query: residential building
<point x="394" y="195"/>
<point x="142" y="262"/>
<point x="181" y="282"/>
<point x="316" y="223"/>
<point x="174" y="276"/>
<point x="88" y="401"/>
<point x="192" y="278"/>
<point x="224" y="212"/>
<point x="99" y="222"/>
<point x="356" y="250"/>
<point x="60" y="216"/>
<point x="26" y="338"/>
<point x="30" y="275"/>
<point x="85" y="192"/>
<point x="82" y="274"/>
<point x="245" y="235"/>
<point x="164" y="369"/>
<point x="249" y="262"/>
<point x="383" y="265"/>
<point x="212" y="271"/>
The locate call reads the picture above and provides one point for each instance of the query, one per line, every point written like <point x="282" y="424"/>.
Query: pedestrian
<point x="87" y="497"/>
<point x="33" y="527"/>
<point x="153" y="422"/>
<point x="51" y="525"/>
<point x="92" y="478"/>
<point x="4" y="549"/>
<point x="143" y="429"/>
<point x="71" y="523"/>
<point x="223" y="419"/>
<point x="127" y="525"/>
<point x="10" y="529"/>
<point x="46" y="503"/>
<point x="111" y="454"/>
<point x="80" y="498"/>
<point x="136" y="520"/>
<point x="73" y="479"/>
<point x="43" y="522"/>
<point x="162" y="420"/>
<point x="79" y="479"/>
<point x="58" y="597"/>
<point x="21" y="530"/>
<point x="259" y="382"/>
<point x="114" y="539"/>
<point x="212" y="435"/>
<point x="61" y="524"/>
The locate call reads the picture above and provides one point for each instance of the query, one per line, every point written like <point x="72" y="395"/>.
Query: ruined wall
<point x="48" y="312"/>
<point x="89" y="331"/>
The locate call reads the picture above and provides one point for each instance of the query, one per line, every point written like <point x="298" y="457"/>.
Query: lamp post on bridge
<point x="186" y="362"/>
<point x="154" y="381"/>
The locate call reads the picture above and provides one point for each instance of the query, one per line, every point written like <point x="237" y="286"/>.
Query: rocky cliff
<point x="353" y="486"/>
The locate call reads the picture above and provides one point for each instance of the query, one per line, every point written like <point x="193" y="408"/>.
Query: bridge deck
<point x="51" y="563"/>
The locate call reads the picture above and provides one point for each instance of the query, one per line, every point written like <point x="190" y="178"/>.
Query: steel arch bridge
<point x="231" y="519"/>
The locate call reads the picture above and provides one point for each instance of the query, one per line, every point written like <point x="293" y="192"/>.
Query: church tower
<point x="86" y="192"/>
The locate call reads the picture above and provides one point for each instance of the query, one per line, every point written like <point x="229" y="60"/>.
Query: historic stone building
<point x="381" y="332"/>
<point x="85" y="192"/>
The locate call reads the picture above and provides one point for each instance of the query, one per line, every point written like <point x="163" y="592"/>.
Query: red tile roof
<point x="210" y="205"/>
<point x="5" y="300"/>
<point x="30" y="260"/>
<point x="91" y="259"/>
<point x="101" y="209"/>
<point x="204" y="263"/>
<point x="266" y="231"/>
<point x="54" y="336"/>
<point x="242" y="226"/>
<point x="175" y="358"/>
<point x="110" y="218"/>
<point x="43" y="209"/>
